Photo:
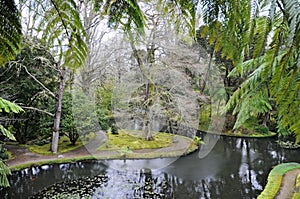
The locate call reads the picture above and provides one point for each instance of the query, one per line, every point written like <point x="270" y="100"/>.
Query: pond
<point x="235" y="168"/>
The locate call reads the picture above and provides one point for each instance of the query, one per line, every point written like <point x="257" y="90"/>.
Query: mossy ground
<point x="133" y="141"/>
<point x="297" y="188"/>
<point x="64" y="145"/>
<point x="275" y="179"/>
<point x="253" y="134"/>
<point x="126" y="144"/>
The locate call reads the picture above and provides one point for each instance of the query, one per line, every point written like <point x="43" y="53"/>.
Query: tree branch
<point x="38" y="110"/>
<point x="40" y="83"/>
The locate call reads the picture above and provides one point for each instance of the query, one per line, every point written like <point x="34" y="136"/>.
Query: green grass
<point x="275" y="178"/>
<point x="134" y="141"/>
<point x="64" y="145"/>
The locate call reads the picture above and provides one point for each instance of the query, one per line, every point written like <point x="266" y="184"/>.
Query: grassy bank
<point x="275" y="179"/>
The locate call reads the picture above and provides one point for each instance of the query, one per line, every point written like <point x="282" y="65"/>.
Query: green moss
<point x="275" y="178"/>
<point x="132" y="155"/>
<point x="297" y="188"/>
<point x="64" y="146"/>
<point x="253" y="134"/>
<point x="134" y="141"/>
<point x="165" y="138"/>
<point x="204" y="117"/>
<point x="10" y="155"/>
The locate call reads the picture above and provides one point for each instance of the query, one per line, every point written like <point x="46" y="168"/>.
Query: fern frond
<point x="10" y="31"/>
<point x="4" y="172"/>
<point x="8" y="106"/>
<point x="7" y="133"/>
<point x="252" y="104"/>
<point x="63" y="29"/>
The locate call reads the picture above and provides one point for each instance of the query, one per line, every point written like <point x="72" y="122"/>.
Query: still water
<point x="235" y="168"/>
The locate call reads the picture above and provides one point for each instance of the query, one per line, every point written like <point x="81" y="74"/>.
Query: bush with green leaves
<point x="103" y="105"/>
<point x="262" y="129"/>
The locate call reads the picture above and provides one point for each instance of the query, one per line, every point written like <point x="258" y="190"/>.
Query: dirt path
<point x="287" y="188"/>
<point x="23" y="156"/>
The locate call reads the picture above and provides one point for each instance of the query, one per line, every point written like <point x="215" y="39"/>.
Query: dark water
<point x="235" y="169"/>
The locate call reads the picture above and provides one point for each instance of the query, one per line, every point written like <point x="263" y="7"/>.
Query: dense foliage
<point x="262" y="40"/>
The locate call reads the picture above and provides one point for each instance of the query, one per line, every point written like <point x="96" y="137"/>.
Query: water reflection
<point x="236" y="168"/>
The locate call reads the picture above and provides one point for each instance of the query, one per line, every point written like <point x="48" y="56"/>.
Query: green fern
<point x="7" y="106"/>
<point x="271" y="44"/>
<point x="64" y="33"/>
<point x="10" y="31"/>
<point x="4" y="171"/>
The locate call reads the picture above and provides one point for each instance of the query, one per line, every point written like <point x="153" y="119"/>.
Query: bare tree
<point x="157" y="88"/>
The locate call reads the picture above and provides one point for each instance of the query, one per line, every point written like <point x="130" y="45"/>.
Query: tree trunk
<point x="147" y="131"/>
<point x="57" y="115"/>
<point x="147" y="127"/>
<point x="146" y="73"/>
<point x="266" y="118"/>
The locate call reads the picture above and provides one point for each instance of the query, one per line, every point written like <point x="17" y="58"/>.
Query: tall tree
<point x="64" y="38"/>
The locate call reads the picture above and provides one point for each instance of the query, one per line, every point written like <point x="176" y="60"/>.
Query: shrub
<point x="114" y="130"/>
<point x="262" y="129"/>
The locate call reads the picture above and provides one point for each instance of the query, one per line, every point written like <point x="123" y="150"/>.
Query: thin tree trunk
<point x="207" y="76"/>
<point x="57" y="115"/>
<point x="266" y="118"/>
<point x="146" y="74"/>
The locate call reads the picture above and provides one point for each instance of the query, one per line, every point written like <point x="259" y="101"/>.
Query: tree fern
<point x="10" y="31"/>
<point x="64" y="34"/>
<point x="4" y="171"/>
<point x="269" y="59"/>
<point x="6" y="106"/>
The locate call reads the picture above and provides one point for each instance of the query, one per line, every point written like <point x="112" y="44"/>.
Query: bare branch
<point x="40" y="83"/>
<point x="38" y="110"/>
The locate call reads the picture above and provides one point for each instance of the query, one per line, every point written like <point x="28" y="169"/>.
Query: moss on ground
<point x="117" y="144"/>
<point x="253" y="134"/>
<point x="64" y="145"/>
<point x="275" y="178"/>
<point x="133" y="141"/>
<point x="297" y="188"/>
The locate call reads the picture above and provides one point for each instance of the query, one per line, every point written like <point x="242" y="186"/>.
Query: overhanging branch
<point x="40" y="83"/>
<point x="38" y="110"/>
